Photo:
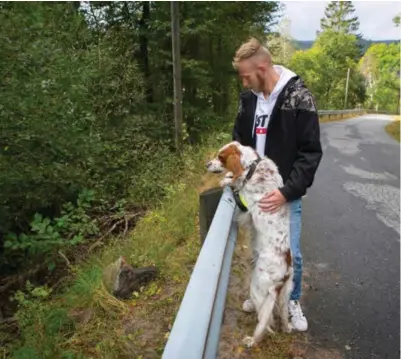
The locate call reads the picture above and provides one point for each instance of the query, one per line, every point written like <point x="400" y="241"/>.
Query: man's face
<point x="251" y="75"/>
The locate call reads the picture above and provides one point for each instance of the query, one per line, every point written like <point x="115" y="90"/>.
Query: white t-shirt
<point x="264" y="108"/>
<point x="262" y="117"/>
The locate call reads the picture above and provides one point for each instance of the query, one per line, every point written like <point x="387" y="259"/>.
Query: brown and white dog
<point x="271" y="281"/>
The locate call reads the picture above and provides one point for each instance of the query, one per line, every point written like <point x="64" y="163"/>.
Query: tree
<point x="339" y="17"/>
<point x="381" y="69"/>
<point x="396" y="20"/>
<point x="210" y="33"/>
<point x="324" y="68"/>
<point x="281" y="44"/>
<point x="87" y="99"/>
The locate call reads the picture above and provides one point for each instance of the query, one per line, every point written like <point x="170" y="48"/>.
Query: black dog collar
<point x="242" y="205"/>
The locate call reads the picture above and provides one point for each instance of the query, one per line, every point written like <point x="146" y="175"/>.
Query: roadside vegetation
<point x="89" y="168"/>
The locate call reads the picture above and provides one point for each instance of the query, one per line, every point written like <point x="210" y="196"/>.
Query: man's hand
<point x="272" y="201"/>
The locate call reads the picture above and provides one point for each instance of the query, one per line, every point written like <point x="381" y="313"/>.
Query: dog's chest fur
<point x="268" y="231"/>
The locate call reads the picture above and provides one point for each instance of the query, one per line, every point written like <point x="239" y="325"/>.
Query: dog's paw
<point x="226" y="182"/>
<point x="287" y="328"/>
<point x="248" y="342"/>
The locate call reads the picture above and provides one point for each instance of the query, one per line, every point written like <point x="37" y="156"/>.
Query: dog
<point x="251" y="177"/>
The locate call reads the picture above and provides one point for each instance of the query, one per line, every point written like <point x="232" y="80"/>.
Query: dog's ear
<point x="233" y="165"/>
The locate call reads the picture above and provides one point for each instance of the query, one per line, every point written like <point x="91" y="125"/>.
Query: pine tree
<point x="340" y="17"/>
<point x="396" y="20"/>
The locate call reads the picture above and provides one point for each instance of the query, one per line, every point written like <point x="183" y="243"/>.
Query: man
<point x="277" y="116"/>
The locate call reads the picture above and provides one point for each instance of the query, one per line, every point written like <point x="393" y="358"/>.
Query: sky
<point x="375" y="18"/>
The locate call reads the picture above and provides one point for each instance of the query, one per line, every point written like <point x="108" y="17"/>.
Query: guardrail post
<point x="208" y="202"/>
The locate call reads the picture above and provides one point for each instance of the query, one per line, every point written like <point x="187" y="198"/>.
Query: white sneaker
<point x="248" y="306"/>
<point x="298" y="320"/>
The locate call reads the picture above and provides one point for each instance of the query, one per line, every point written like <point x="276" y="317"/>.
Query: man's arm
<point x="309" y="151"/>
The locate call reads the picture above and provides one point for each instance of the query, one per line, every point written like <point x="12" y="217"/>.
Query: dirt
<point x="236" y="323"/>
<point x="151" y="321"/>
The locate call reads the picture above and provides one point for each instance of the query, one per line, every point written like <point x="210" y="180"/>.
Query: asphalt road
<point x="351" y="242"/>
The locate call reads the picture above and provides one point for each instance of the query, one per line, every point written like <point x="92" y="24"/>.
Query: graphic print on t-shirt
<point x="261" y="124"/>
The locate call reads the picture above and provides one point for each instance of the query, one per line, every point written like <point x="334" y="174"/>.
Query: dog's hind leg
<point x="283" y="299"/>
<point x="265" y="311"/>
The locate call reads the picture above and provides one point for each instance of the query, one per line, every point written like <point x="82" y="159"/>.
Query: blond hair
<point x="251" y="49"/>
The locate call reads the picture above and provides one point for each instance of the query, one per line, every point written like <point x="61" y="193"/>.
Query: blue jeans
<point x="295" y="239"/>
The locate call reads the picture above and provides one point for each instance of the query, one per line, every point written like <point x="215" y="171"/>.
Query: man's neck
<point x="271" y="80"/>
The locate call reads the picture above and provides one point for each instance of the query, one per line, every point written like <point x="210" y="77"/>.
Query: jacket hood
<point x="285" y="76"/>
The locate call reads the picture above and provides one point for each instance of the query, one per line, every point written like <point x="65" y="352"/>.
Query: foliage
<point x="396" y="20"/>
<point x="207" y="48"/>
<point x="48" y="235"/>
<point x="381" y="69"/>
<point x="324" y="69"/>
<point x="281" y="44"/>
<point x="34" y="311"/>
<point x="393" y="129"/>
<point x="374" y="78"/>
<point x="84" y="320"/>
<point x="339" y="17"/>
<point x="63" y="115"/>
<point x="87" y="103"/>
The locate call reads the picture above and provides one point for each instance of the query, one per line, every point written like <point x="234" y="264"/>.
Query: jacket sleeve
<point x="309" y="152"/>
<point x="237" y="135"/>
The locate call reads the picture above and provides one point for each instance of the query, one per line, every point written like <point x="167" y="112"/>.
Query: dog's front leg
<point x="227" y="180"/>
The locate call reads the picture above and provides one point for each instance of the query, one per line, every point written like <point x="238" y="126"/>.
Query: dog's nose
<point x="208" y="164"/>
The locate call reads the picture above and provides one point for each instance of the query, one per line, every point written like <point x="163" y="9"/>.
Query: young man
<point x="277" y="116"/>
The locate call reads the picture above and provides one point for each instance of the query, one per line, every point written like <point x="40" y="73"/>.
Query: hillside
<point x="307" y="44"/>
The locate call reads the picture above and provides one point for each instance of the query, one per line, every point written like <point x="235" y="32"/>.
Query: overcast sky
<point x="375" y="18"/>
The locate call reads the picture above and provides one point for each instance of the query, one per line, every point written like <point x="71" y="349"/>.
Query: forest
<point x="87" y="116"/>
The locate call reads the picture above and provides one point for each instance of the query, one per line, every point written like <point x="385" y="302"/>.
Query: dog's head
<point x="233" y="157"/>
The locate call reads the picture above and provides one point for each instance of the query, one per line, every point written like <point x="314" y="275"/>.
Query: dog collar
<point x="251" y="171"/>
<point x="238" y="197"/>
<point x="240" y="201"/>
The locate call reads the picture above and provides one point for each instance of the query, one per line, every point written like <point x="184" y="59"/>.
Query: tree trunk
<point x="143" y="43"/>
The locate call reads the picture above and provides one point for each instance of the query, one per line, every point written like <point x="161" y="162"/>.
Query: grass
<point x="393" y="128"/>
<point x="238" y="324"/>
<point x="85" y="321"/>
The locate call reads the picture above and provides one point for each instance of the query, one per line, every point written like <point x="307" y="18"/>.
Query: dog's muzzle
<point x="210" y="165"/>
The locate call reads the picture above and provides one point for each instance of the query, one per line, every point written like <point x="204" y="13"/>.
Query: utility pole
<point x="346" y="90"/>
<point x="176" y="47"/>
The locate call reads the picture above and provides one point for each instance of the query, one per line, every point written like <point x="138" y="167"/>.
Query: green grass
<point x="393" y="128"/>
<point x="85" y="321"/>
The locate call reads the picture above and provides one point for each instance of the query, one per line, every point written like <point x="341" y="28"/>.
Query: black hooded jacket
<point x="293" y="135"/>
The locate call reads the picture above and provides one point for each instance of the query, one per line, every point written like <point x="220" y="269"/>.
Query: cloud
<point x="375" y="18"/>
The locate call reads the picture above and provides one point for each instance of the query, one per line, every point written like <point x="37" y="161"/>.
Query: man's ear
<point x="234" y="165"/>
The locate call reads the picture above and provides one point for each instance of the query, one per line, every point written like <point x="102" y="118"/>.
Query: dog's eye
<point x="221" y="158"/>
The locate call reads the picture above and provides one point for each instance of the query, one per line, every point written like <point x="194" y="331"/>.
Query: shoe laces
<point x="295" y="310"/>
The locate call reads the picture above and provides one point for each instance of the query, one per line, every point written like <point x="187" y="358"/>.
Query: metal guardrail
<point x="196" y="330"/>
<point x="355" y="111"/>
<point x="340" y="112"/>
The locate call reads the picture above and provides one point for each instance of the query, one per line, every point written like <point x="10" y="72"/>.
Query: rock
<point x="122" y="279"/>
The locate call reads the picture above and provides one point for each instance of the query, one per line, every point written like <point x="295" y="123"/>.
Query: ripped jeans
<point x="295" y="239"/>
